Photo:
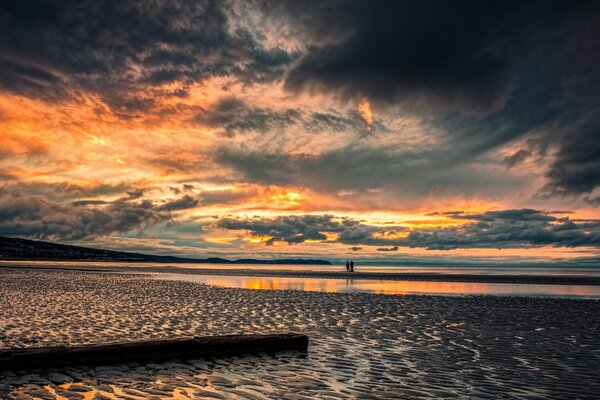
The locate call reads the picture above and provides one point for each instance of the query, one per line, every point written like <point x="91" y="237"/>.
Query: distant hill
<point x="23" y="249"/>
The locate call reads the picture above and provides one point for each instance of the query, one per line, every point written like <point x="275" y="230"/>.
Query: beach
<point x="362" y="345"/>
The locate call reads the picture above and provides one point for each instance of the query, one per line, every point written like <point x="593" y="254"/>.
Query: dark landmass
<point x="24" y="249"/>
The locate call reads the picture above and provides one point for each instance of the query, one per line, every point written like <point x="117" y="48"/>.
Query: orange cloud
<point x="364" y="109"/>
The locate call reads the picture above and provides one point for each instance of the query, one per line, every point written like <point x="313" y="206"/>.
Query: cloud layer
<point x="493" y="229"/>
<point x="303" y="127"/>
<point x="35" y="217"/>
<point x="53" y="49"/>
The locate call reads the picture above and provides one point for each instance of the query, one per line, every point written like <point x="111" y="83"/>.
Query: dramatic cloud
<point x="494" y="229"/>
<point x="234" y="116"/>
<point x="222" y="197"/>
<point x="508" y="229"/>
<point x="452" y="55"/>
<point x="516" y="158"/>
<point x="313" y="127"/>
<point x="357" y="167"/>
<point x="395" y="248"/>
<point x="290" y="229"/>
<point x="522" y="66"/>
<point x="182" y="203"/>
<point x="116" y="48"/>
<point x="346" y="168"/>
<point x="35" y="217"/>
<point x="527" y="215"/>
<point x="576" y="168"/>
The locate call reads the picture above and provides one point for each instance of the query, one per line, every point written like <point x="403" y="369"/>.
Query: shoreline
<point x="395" y="276"/>
<point x="361" y="344"/>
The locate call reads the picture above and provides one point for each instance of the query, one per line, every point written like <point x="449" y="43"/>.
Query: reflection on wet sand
<point x="362" y="345"/>
<point x="386" y="286"/>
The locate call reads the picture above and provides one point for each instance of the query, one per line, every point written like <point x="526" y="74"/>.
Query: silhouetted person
<point x="347" y="266"/>
<point x="351" y="266"/>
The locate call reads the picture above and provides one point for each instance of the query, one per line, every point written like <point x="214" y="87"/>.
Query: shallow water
<point x="388" y="286"/>
<point x="587" y="271"/>
<point x="362" y="345"/>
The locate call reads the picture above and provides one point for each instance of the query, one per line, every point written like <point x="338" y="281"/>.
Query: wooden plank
<point x="152" y="350"/>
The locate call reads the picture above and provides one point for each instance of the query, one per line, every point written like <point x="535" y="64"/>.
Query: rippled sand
<point x="362" y="345"/>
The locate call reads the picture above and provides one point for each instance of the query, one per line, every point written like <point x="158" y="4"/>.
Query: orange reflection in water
<point x="387" y="286"/>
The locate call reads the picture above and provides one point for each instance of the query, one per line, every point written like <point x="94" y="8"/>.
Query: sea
<point x="247" y="276"/>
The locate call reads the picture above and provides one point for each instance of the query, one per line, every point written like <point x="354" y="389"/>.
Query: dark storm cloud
<point x="328" y="122"/>
<point x="458" y="55"/>
<point x="30" y="81"/>
<point x="516" y="158"/>
<point x="355" y="167"/>
<point x="504" y="215"/>
<point x="507" y="233"/>
<point x="183" y="203"/>
<point x="235" y="116"/>
<point x="35" y="217"/>
<point x="576" y="168"/>
<point x="51" y="48"/>
<point x="64" y="191"/>
<point x="297" y="229"/>
<point x="494" y="229"/>
<point x="571" y="153"/>
<point x="484" y="73"/>
<point x="330" y="170"/>
<point x="222" y="197"/>
<point x="89" y="202"/>
<point x="137" y="193"/>
<point x="292" y="230"/>
<point x="260" y="64"/>
<point x="491" y="72"/>
<point x="395" y="248"/>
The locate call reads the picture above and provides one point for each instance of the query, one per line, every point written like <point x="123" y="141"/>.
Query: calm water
<point x="591" y="271"/>
<point x="388" y="286"/>
<point x="366" y="286"/>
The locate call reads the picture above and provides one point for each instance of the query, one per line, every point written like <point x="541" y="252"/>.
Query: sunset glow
<point x="220" y="138"/>
<point x="364" y="109"/>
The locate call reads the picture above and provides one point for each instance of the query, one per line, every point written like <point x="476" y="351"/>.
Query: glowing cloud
<point x="226" y="130"/>
<point x="364" y="109"/>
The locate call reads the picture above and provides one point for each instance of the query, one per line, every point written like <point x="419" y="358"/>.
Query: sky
<point x="410" y="132"/>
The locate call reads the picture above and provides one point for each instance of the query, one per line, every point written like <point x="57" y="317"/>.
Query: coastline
<point x="395" y="276"/>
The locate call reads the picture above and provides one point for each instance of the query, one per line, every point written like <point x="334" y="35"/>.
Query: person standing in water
<point x="347" y="266"/>
<point x="351" y="266"/>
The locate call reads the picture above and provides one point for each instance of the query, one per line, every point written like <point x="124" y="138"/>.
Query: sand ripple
<point x="362" y="345"/>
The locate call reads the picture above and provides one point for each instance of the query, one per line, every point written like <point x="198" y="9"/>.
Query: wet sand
<point x="404" y="276"/>
<point x="362" y="345"/>
<point x="427" y="277"/>
<point x="388" y="286"/>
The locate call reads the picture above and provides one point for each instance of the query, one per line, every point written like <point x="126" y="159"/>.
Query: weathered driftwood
<point x="152" y="350"/>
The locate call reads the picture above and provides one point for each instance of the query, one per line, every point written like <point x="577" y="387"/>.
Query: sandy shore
<point x="362" y="345"/>
<point x="424" y="277"/>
